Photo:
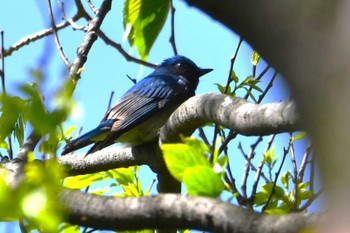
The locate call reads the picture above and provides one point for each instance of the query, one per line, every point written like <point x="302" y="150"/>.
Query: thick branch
<point x="234" y="113"/>
<point x="109" y="158"/>
<point x="170" y="211"/>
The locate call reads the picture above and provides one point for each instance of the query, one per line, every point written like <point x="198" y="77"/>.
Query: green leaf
<point x="69" y="131"/>
<point x="269" y="156"/>
<point x="19" y="130"/>
<point x="276" y="211"/>
<point x="304" y="195"/>
<point x="132" y="190"/>
<point x="143" y="21"/>
<point x="234" y="77"/>
<point x="82" y="181"/>
<point x="261" y="198"/>
<point x="7" y="200"/>
<point x="285" y="179"/>
<point x="278" y="191"/>
<point x="11" y="109"/>
<point x="180" y="156"/>
<point x="67" y="228"/>
<point x="303" y="186"/>
<point x="203" y="181"/>
<point x="124" y="176"/>
<point x="298" y="136"/>
<point x="255" y="58"/>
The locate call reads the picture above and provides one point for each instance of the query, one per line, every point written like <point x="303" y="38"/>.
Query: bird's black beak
<point x="202" y="72"/>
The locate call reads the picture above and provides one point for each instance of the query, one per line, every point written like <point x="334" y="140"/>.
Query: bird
<point x="138" y="115"/>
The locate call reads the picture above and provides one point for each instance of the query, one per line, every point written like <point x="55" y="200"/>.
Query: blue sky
<point x="206" y="42"/>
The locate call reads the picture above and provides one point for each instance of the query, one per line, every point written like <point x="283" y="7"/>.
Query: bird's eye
<point x="179" y="65"/>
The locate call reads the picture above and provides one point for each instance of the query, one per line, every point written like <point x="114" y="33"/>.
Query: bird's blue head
<point x="184" y="68"/>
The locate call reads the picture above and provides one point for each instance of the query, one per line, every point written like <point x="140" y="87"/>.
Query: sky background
<point x="208" y="43"/>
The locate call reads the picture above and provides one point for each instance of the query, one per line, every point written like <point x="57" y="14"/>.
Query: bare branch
<point x="172" y="37"/>
<point x="57" y="40"/>
<point x="90" y="38"/>
<point x="169" y="211"/>
<point x="233" y="113"/>
<point x="120" y="49"/>
<point x="34" y="37"/>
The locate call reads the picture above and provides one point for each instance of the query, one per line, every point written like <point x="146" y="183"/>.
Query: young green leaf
<point x="255" y="58"/>
<point x="203" y="181"/>
<point x="180" y="156"/>
<point x="143" y="20"/>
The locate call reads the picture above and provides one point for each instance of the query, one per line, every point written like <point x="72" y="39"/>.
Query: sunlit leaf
<point x="255" y="58"/>
<point x="285" y="179"/>
<point x="180" y="156"/>
<point x="11" y="109"/>
<point x="278" y="191"/>
<point x="203" y="181"/>
<point x="123" y="175"/>
<point x="67" y="228"/>
<point x="298" y="136"/>
<point x="276" y="211"/>
<point x="144" y="19"/>
<point x="234" y="77"/>
<point x="82" y="181"/>
<point x="261" y="198"/>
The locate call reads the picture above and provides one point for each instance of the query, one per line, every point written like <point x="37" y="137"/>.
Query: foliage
<point x="35" y="200"/>
<point x="202" y="165"/>
<point x="188" y="163"/>
<point x="143" y="21"/>
<point x="17" y="112"/>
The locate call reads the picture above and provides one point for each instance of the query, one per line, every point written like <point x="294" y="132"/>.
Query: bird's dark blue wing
<point x="152" y="95"/>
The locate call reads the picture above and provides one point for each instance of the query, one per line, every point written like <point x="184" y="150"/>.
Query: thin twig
<point x="203" y="136"/>
<point x="248" y="164"/>
<point x="57" y="40"/>
<point x="268" y="87"/>
<point x="259" y="78"/>
<point x="122" y="51"/>
<point x="295" y="171"/>
<point x="231" y="135"/>
<point x="312" y="173"/>
<point x="233" y="59"/>
<point x="311" y="200"/>
<point x="110" y="100"/>
<point x="92" y="7"/>
<point x="36" y="36"/>
<point x="285" y="152"/>
<point x="172" y="36"/>
<point x="22" y="226"/>
<point x="133" y="80"/>
<point x="260" y="167"/>
<point x="304" y="162"/>
<point x="232" y="183"/>
<point x="2" y="73"/>
<point x="268" y="66"/>
<point x="90" y="38"/>
<point x="229" y="80"/>
<point x="70" y="21"/>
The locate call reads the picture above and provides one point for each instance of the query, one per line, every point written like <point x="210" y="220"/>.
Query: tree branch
<point x="169" y="211"/>
<point x="235" y="113"/>
<point x="90" y="38"/>
<point x="231" y="112"/>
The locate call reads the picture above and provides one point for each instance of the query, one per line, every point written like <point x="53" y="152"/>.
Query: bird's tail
<point x="95" y="135"/>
